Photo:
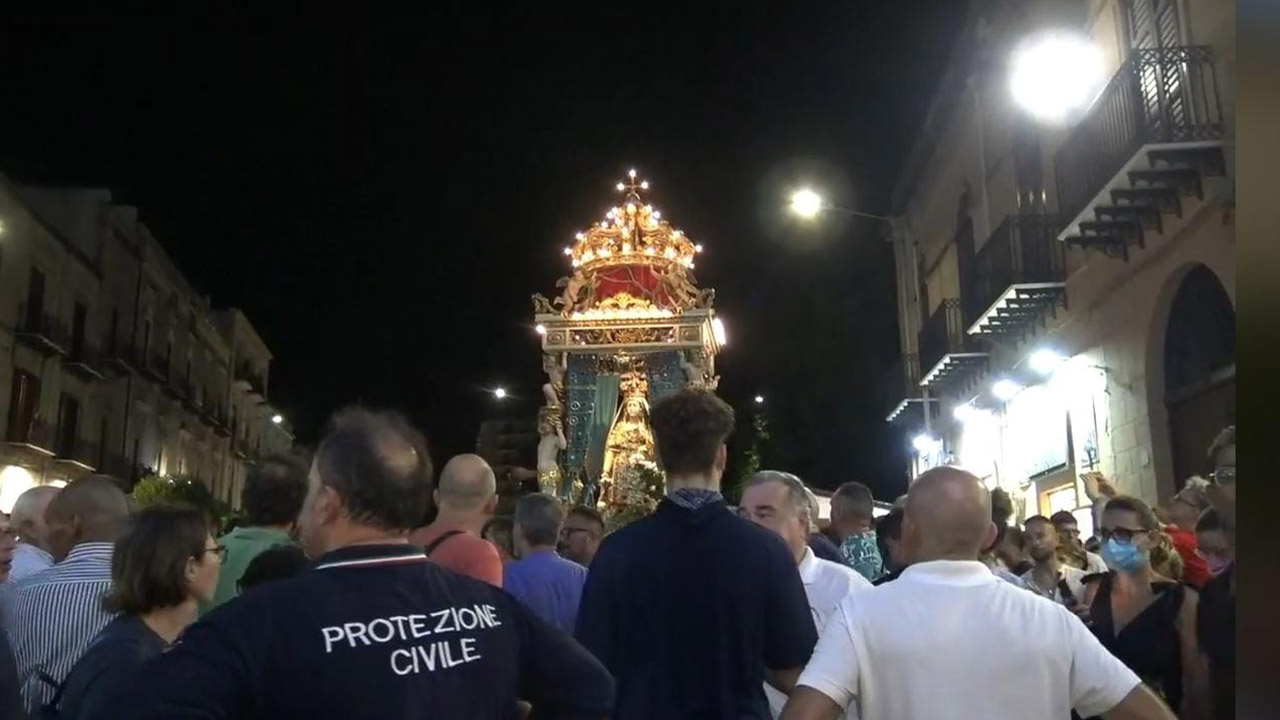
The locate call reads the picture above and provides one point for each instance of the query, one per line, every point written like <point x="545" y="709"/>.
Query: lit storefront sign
<point x="1035" y="432"/>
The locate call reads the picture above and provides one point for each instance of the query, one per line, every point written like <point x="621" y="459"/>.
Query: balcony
<point x="1147" y="143"/>
<point x="84" y="361"/>
<point x="157" y="367"/>
<point x="120" y="467"/>
<point x="122" y="357"/>
<point x="77" y="454"/>
<point x="41" y="331"/>
<point x="901" y="385"/>
<point x="253" y="383"/>
<point x="951" y="355"/>
<point x="34" y="435"/>
<point x="1016" y="277"/>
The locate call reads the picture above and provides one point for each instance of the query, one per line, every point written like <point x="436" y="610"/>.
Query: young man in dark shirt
<point x="373" y="629"/>
<point x="693" y="608"/>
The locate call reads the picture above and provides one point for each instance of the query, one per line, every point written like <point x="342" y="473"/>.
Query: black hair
<point x="274" y="490"/>
<point x="275" y="563"/>
<point x="863" y="502"/>
<point x="379" y="466"/>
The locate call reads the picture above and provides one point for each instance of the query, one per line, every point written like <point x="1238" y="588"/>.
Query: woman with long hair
<point x="164" y="565"/>
<point x="1144" y="618"/>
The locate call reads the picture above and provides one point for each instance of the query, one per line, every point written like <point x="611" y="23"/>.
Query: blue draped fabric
<point x="580" y="393"/>
<point x="606" y="406"/>
<point x="665" y="375"/>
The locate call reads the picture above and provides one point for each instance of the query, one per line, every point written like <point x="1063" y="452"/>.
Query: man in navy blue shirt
<point x="373" y="629"/>
<point x="547" y="584"/>
<point x="693" y="608"/>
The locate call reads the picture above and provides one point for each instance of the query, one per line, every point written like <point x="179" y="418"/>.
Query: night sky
<point x="381" y="194"/>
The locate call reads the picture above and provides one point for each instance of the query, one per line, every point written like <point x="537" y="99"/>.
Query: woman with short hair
<point x="164" y="565"/>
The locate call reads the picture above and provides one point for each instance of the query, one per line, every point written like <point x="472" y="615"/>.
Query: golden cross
<point x="633" y="186"/>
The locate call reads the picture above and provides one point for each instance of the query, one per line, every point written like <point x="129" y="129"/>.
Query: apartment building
<point x="110" y="361"/>
<point x="1067" y="290"/>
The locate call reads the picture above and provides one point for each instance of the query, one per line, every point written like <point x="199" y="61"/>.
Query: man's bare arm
<point x="784" y="680"/>
<point x="1140" y="704"/>
<point x="809" y="704"/>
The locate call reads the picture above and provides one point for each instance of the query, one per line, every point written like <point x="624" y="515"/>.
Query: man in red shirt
<point x="1184" y="510"/>
<point x="466" y="498"/>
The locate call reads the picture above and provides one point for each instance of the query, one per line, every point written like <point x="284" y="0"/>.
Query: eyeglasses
<point x="221" y="551"/>
<point x="1224" y="476"/>
<point x="1123" y="535"/>
<point x="568" y="532"/>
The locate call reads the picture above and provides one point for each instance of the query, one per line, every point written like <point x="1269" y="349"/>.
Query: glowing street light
<point x="1045" y="361"/>
<point x="718" y="330"/>
<point x="540" y="329"/>
<point x="806" y="203"/>
<point x="759" y="399"/>
<point x="1004" y="389"/>
<point x="500" y="393"/>
<point x="925" y="444"/>
<point x="1055" y="75"/>
<point x="277" y="418"/>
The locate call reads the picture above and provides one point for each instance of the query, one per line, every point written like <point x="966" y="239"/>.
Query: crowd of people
<point x="333" y="599"/>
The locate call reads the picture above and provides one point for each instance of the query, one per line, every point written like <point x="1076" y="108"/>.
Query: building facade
<point x="1067" y="291"/>
<point x="111" y="362"/>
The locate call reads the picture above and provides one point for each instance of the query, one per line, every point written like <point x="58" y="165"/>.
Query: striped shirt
<point x="52" y="616"/>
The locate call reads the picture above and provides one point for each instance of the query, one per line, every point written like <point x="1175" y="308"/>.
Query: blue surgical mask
<point x="1123" y="556"/>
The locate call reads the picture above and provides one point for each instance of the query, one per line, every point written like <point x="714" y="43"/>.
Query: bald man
<point x="466" y="498"/>
<point x="32" y="554"/>
<point x="53" y="615"/>
<point x="928" y="643"/>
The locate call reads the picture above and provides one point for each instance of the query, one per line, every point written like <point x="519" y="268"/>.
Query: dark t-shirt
<point x="688" y="607"/>
<point x="825" y="549"/>
<point x="1216" y="628"/>
<point x="108" y="668"/>
<point x="10" y="696"/>
<point x="372" y="632"/>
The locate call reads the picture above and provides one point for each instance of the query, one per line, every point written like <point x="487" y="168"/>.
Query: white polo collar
<point x="809" y="567"/>
<point x="949" y="572"/>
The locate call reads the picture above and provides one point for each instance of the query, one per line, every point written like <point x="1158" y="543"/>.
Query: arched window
<point x="1199" y="366"/>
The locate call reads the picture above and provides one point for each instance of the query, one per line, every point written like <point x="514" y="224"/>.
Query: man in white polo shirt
<point x="935" y="642"/>
<point x="779" y="502"/>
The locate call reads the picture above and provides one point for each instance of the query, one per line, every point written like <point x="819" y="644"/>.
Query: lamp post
<point x="1055" y="75"/>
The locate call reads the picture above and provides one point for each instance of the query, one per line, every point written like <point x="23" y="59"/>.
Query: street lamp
<point x="806" y="203"/>
<point x="277" y="418"/>
<point x="1045" y="361"/>
<point x="1004" y="389"/>
<point x="1055" y="75"/>
<point x="759" y="399"/>
<point x="500" y="393"/>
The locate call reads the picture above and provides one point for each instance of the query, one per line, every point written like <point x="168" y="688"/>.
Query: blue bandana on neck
<point x="694" y="498"/>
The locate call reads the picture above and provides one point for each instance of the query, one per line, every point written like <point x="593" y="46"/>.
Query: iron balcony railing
<point x="1023" y="249"/>
<point x="943" y="333"/>
<point x="1159" y="95"/>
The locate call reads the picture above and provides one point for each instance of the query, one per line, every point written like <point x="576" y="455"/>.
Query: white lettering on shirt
<point x="374" y="624"/>
<point x="408" y="668"/>
<point x="353" y="630"/>
<point x="329" y="640"/>
<point x="401" y="630"/>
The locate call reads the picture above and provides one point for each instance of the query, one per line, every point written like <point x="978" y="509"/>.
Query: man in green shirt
<point x="272" y="496"/>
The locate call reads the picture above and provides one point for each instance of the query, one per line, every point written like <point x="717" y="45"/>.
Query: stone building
<point x="1067" y="290"/>
<point x="110" y="361"/>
